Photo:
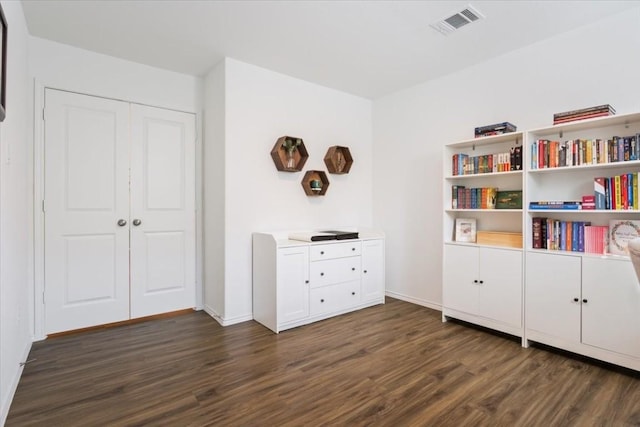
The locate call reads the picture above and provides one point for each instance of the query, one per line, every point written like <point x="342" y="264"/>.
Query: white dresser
<point x="296" y="282"/>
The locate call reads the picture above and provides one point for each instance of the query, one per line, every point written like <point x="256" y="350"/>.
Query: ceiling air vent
<point x="466" y="16"/>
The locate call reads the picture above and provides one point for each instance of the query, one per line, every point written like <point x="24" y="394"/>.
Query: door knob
<point x="122" y="222"/>
<point x="137" y="222"/>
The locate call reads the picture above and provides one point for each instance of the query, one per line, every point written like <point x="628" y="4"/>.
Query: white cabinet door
<point x="372" y="270"/>
<point x="501" y="285"/>
<point x="461" y="290"/>
<point x="162" y="211"/>
<point x="553" y="295"/>
<point x="292" y="284"/>
<point x="611" y="305"/>
<point x="86" y="194"/>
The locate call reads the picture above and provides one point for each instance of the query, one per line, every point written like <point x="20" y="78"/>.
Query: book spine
<point x="599" y="192"/>
<point x="536" y="238"/>
<point x="618" y="199"/>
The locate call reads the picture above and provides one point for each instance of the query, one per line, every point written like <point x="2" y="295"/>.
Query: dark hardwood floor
<point x="391" y="365"/>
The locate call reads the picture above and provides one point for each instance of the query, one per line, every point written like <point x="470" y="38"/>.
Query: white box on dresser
<point x="297" y="282"/>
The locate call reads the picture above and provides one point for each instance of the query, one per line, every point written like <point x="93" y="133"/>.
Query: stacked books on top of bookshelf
<point x="584" y="113"/>
<point x="495" y="129"/>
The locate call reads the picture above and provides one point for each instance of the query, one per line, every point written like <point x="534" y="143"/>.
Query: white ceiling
<point x="367" y="48"/>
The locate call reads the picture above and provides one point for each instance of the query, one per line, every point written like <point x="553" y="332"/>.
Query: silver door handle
<point x="122" y="222"/>
<point x="137" y="222"/>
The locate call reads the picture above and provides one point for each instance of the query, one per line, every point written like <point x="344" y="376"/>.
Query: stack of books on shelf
<point x="551" y="154"/>
<point x="572" y="236"/>
<point x="584" y="113"/>
<point x="561" y="205"/>
<point x="473" y="198"/>
<point x="495" y="129"/>
<point x="619" y="192"/>
<point x="463" y="164"/>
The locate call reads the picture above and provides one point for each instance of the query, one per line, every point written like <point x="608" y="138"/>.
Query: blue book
<point x="563" y="236"/>
<point x="574" y="236"/>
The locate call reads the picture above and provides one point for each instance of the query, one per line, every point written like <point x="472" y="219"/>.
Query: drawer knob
<point x="353" y="249"/>
<point x="322" y="274"/>
<point x="353" y="269"/>
<point x="321" y="252"/>
<point x="306" y="281"/>
<point x="322" y="300"/>
<point x="365" y="271"/>
<point x="353" y="293"/>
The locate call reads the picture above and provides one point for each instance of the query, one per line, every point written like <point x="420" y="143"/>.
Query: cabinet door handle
<point x="353" y="293"/>
<point x="321" y="252"/>
<point x="585" y="301"/>
<point x="576" y="299"/>
<point x="322" y="274"/>
<point x="475" y="281"/>
<point x="481" y="282"/>
<point x="365" y="271"/>
<point x="306" y="281"/>
<point x="353" y="249"/>
<point x="353" y="269"/>
<point x="137" y="222"/>
<point x="122" y="222"/>
<point x="322" y="300"/>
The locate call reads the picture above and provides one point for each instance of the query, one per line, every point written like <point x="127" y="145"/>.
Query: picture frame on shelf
<point x="621" y="231"/>
<point x="465" y="230"/>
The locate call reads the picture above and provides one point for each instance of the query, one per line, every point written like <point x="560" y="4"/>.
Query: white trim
<point x="38" y="197"/>
<point x="418" y="301"/>
<point x="226" y="322"/>
<point x="6" y="404"/>
<point x="38" y="215"/>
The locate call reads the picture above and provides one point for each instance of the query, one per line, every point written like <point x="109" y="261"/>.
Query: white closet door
<point x="86" y="194"/>
<point x="163" y="200"/>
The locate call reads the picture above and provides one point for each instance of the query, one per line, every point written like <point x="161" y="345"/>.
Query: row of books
<point x="551" y="154"/>
<point x="584" y="113"/>
<point x="495" y="129"/>
<point x="463" y="164"/>
<point x="619" y="192"/>
<point x="473" y="198"/>
<point x="573" y="236"/>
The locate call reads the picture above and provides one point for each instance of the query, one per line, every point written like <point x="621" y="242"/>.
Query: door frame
<point x="38" y="290"/>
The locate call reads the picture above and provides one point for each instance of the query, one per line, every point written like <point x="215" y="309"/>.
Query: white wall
<point x="262" y="106"/>
<point x="15" y="210"/>
<point x="214" y="194"/>
<point x="66" y="67"/>
<point x="594" y="65"/>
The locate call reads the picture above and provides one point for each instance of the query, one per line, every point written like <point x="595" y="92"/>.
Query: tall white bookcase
<point x="483" y="283"/>
<point x="581" y="302"/>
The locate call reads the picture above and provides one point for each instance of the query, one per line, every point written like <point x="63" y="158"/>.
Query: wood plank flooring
<point x="391" y="365"/>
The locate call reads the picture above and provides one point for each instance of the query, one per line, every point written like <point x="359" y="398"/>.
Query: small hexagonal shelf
<point x="315" y="183"/>
<point x="338" y="159"/>
<point x="289" y="160"/>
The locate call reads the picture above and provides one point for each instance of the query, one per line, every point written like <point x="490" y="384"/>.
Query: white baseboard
<point x="226" y="321"/>
<point x="413" y="300"/>
<point x="6" y="404"/>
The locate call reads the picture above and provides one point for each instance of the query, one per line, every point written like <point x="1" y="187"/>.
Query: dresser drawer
<point x="332" y="271"/>
<point x="335" y="297"/>
<point x="334" y="250"/>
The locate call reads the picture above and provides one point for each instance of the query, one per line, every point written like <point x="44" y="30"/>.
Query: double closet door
<point x="119" y="211"/>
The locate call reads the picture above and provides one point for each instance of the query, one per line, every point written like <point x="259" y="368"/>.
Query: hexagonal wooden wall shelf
<point x="338" y="159"/>
<point x="281" y="158"/>
<point x="315" y="183"/>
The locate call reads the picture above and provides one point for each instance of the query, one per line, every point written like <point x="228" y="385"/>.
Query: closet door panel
<point x="86" y="194"/>
<point x="162" y="210"/>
